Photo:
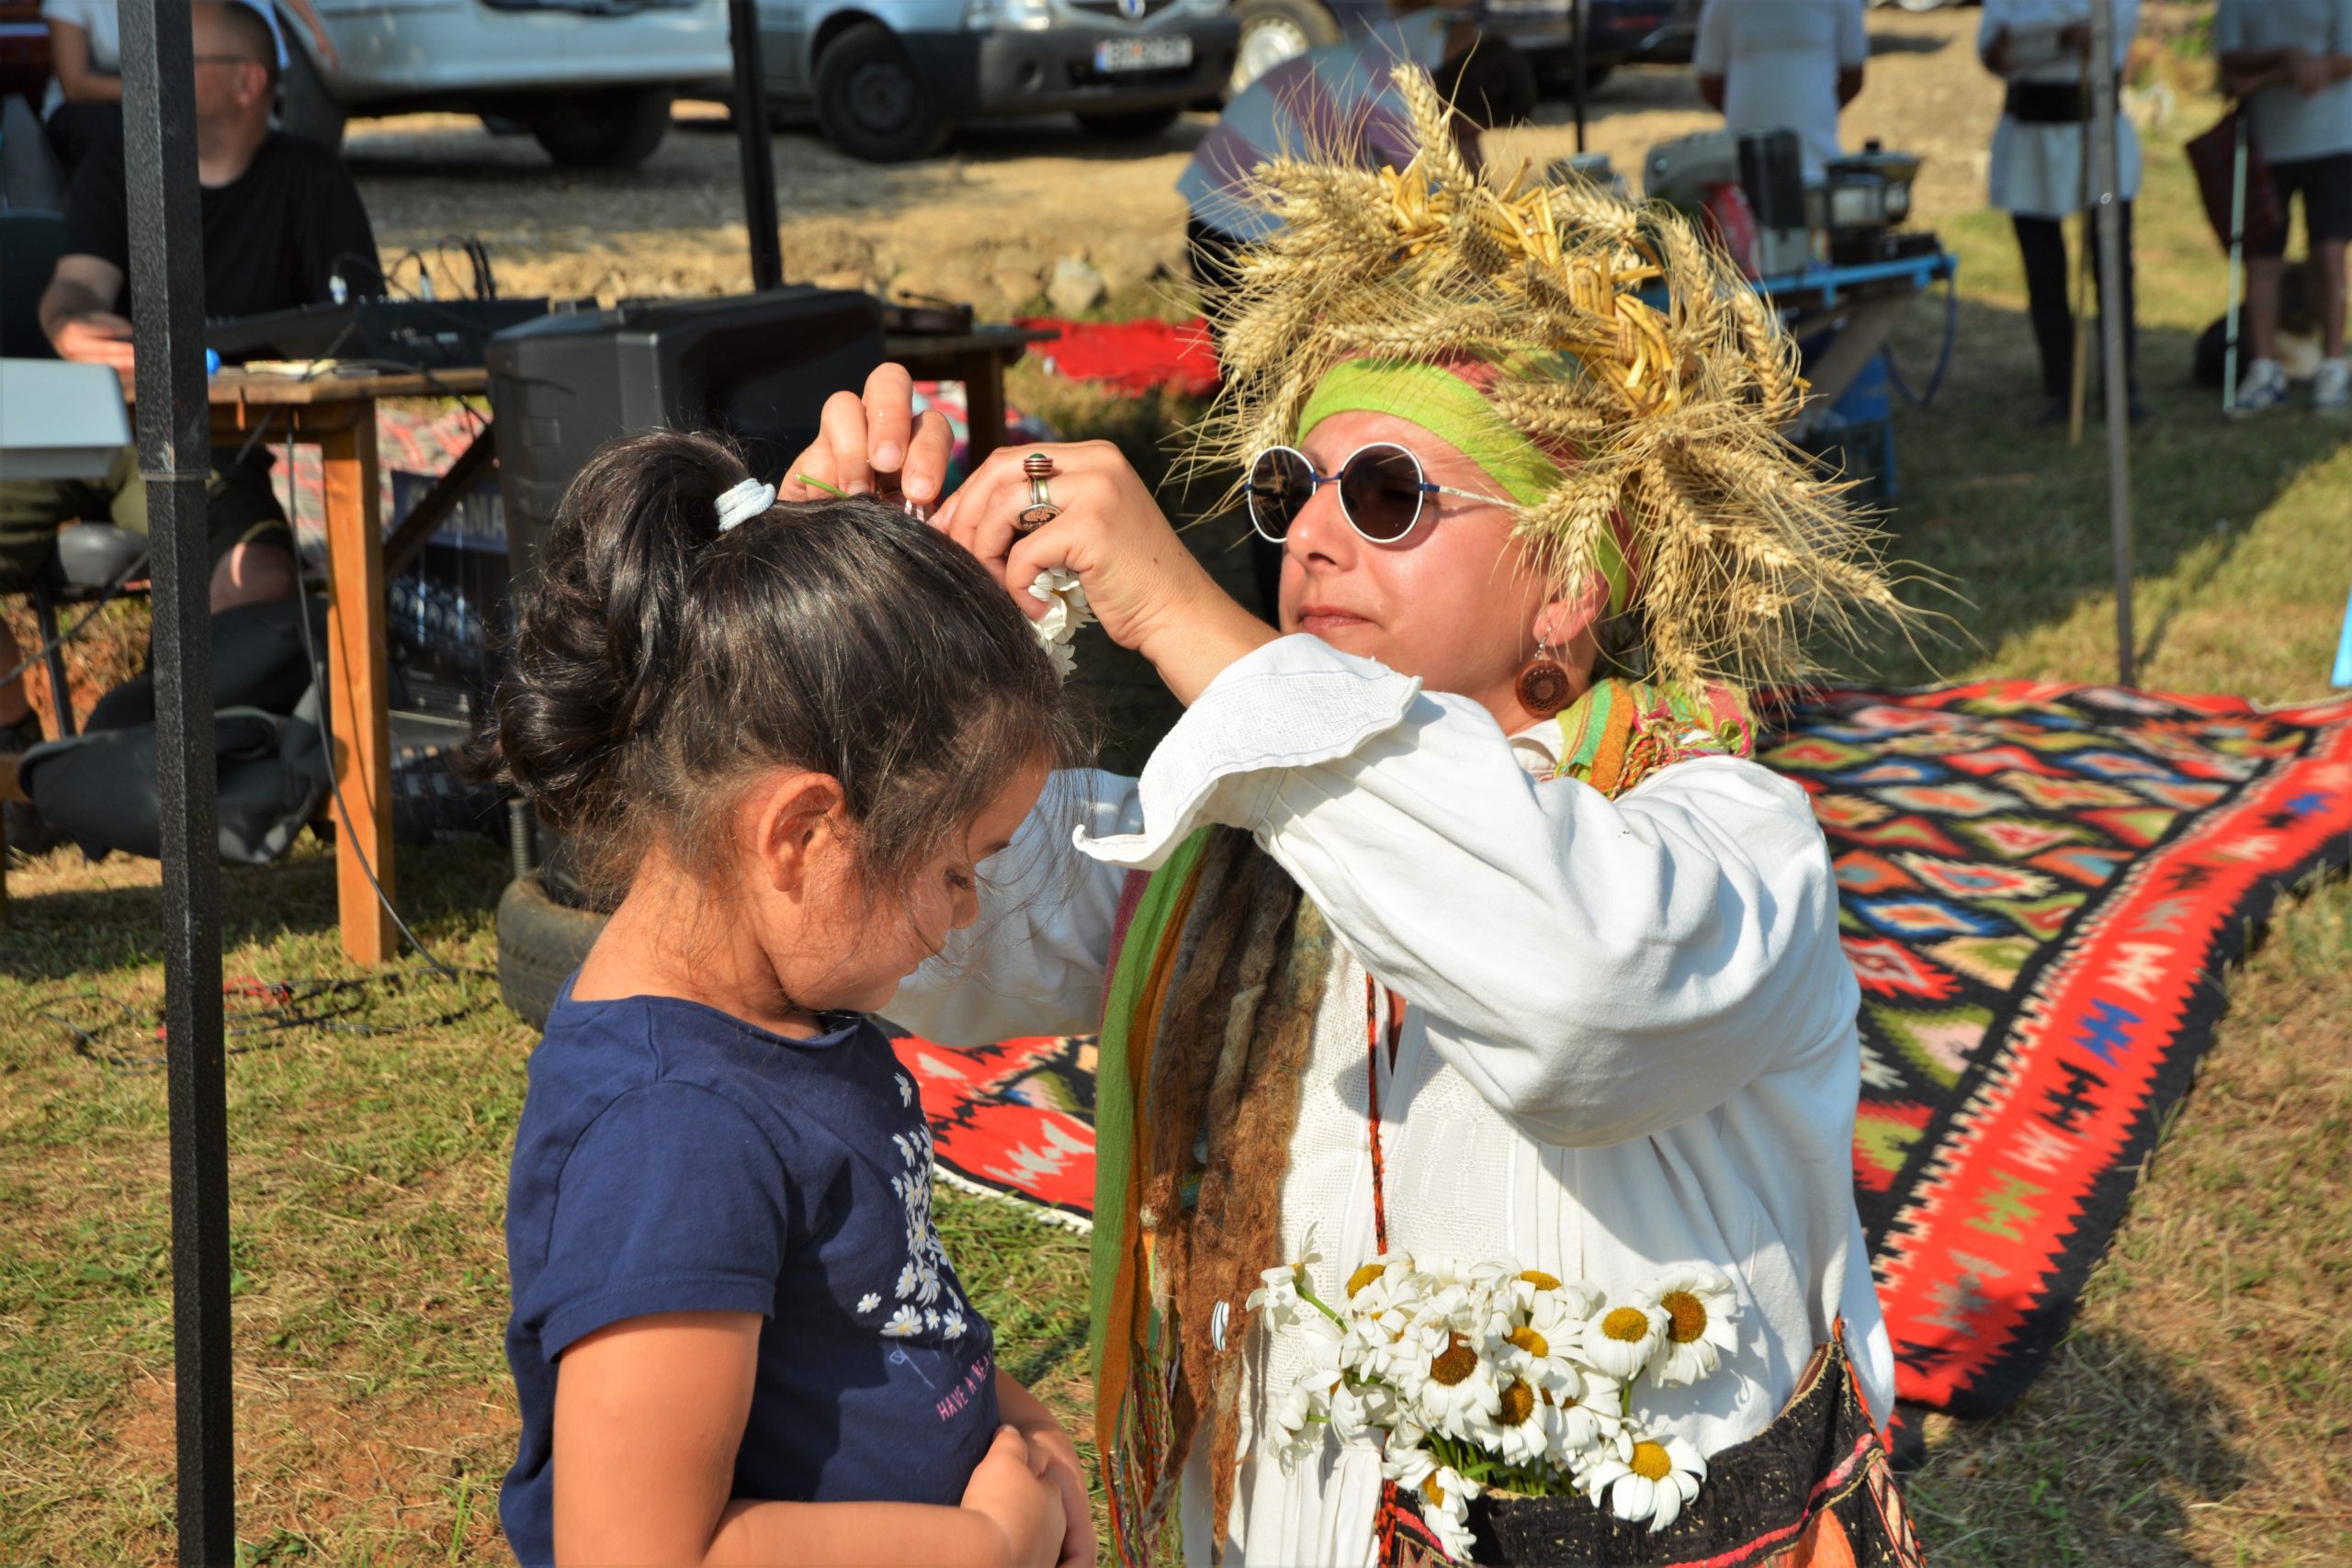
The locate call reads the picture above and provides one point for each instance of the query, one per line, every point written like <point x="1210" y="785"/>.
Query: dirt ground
<point x="987" y="221"/>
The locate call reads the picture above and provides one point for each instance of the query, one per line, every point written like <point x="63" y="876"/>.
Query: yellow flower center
<point x="1432" y="1493"/>
<point x="1651" y="1462"/>
<point x="1527" y="1340"/>
<point x="1540" y="1280"/>
<point x="1458" y="1362"/>
<point x="1519" y="1403"/>
<point x="1686" y="1316"/>
<point x="1630" y="1325"/>
<point x="1365" y="1276"/>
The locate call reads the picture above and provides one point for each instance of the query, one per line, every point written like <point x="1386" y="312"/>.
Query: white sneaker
<point x="2332" y="387"/>
<point x="2263" y="390"/>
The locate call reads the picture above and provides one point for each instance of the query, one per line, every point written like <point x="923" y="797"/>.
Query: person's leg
<point x="2042" y="245"/>
<point x="251" y="549"/>
<point x="2331" y="296"/>
<point x="2261" y="378"/>
<point x="2327" y="218"/>
<point x="2262" y="280"/>
<point x="30" y="513"/>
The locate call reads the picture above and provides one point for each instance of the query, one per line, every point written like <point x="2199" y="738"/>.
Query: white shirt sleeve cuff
<point x="1295" y="702"/>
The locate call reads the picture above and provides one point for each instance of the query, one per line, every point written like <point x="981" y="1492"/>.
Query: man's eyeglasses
<point x="1381" y="491"/>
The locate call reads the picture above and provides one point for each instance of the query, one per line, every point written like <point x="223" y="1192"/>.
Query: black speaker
<point x="1771" y="170"/>
<point x="758" y="367"/>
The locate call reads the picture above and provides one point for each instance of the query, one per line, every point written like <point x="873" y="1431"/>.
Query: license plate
<point x="1143" y="54"/>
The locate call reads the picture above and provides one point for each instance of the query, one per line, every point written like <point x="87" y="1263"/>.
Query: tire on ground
<point x="872" y="103"/>
<point x="613" y="130"/>
<point x="1270" y="26"/>
<point x="540" y="942"/>
<point x="1132" y="124"/>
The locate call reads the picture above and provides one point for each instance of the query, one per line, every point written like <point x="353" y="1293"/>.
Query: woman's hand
<point x="1009" y="1490"/>
<point x="875" y="445"/>
<point x="1141" y="583"/>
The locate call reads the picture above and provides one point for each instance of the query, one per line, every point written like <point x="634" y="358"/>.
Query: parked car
<point x="1616" y="32"/>
<point x="590" y="79"/>
<point x="888" y="79"/>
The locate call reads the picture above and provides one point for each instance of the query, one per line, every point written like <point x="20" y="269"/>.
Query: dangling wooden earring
<point x="1543" y="685"/>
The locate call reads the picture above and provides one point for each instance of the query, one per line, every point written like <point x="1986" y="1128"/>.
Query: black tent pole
<point x="1575" y="26"/>
<point x="751" y="141"/>
<point x="174" y="451"/>
<point x="2106" y="180"/>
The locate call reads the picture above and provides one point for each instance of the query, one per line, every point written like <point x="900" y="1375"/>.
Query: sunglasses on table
<point x="1381" y="491"/>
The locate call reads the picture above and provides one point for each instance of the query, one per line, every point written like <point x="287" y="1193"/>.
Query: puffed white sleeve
<point x="1033" y="963"/>
<point x="1603" y="969"/>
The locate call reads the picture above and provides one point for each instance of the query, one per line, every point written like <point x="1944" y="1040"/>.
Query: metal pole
<point x="751" y="142"/>
<point x="2109" y="210"/>
<point x="175" y="459"/>
<point x="1575" y="26"/>
<point x="2237" y="267"/>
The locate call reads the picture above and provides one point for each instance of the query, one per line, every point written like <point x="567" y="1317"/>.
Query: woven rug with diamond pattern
<point x="2044" y="887"/>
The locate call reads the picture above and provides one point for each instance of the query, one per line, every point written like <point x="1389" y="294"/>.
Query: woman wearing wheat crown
<point x="1478" y="1062"/>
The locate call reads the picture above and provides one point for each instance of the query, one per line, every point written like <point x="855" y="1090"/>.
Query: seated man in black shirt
<point x="282" y="221"/>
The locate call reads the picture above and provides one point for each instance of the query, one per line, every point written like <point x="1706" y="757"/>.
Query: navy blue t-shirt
<point x="672" y="1158"/>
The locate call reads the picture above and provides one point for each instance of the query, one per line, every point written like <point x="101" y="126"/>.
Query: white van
<point x="590" y="79"/>
<point x="888" y="79"/>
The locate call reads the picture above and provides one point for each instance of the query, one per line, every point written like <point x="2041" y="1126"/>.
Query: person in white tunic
<point x="1469" y="930"/>
<point x="2292" y="62"/>
<point x="2042" y="172"/>
<point x="1783" y="65"/>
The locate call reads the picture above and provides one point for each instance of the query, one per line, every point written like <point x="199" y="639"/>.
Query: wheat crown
<point x="1668" y="415"/>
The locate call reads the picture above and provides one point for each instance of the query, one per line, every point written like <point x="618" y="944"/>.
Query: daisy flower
<point x="1459" y="1391"/>
<point x="1293" y="1434"/>
<point x="1542" y="1349"/>
<point x="1587" y="1421"/>
<point x="1619" y="1342"/>
<point x="1699" y="1311"/>
<point x="1445" y="1496"/>
<point x="1525" y="1425"/>
<point x="1362" y="1411"/>
<point x="1647" y="1479"/>
<point x="903" y="1322"/>
<point x="1280" y="1292"/>
<point x="868" y="1301"/>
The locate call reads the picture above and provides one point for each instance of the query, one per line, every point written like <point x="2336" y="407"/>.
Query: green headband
<point x="1453" y="411"/>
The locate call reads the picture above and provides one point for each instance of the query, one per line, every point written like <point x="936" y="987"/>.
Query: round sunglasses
<point x="1381" y="491"/>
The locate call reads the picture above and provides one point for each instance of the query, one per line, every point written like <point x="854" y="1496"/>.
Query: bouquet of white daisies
<point x="1476" y="1377"/>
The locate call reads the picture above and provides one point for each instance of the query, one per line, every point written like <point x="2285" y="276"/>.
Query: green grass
<point x="2199" y="1412"/>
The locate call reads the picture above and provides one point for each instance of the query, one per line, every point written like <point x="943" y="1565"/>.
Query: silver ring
<point x="1041" y="509"/>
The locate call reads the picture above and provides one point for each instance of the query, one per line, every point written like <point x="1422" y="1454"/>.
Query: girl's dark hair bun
<point x="658" y="663"/>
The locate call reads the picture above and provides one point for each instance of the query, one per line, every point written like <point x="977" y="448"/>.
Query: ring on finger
<point x="1041" y="509"/>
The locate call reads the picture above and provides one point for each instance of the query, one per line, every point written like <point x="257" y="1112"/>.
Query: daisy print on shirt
<point x="923" y="1299"/>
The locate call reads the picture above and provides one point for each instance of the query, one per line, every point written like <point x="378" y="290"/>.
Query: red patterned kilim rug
<point x="2043" y="886"/>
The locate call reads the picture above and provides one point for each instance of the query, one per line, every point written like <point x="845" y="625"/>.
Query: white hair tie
<point x="748" y="499"/>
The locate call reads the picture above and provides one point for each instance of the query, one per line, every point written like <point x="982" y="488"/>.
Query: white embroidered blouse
<point x="1629" y="1038"/>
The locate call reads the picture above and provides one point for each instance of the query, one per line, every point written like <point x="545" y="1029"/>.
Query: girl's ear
<point x="791" y="821"/>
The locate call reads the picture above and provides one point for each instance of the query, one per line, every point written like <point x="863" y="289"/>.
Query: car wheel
<point x="872" y="103"/>
<point x="1134" y="125"/>
<point x="540" y="942"/>
<point x="605" y="131"/>
<point x="1276" y="31"/>
<point x="305" y="108"/>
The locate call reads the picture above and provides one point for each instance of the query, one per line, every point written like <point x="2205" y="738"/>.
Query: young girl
<point x="785" y="736"/>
